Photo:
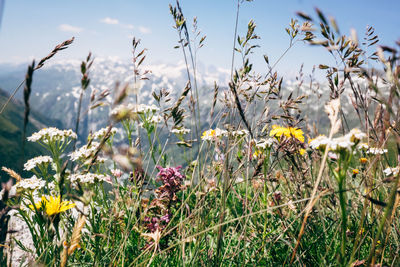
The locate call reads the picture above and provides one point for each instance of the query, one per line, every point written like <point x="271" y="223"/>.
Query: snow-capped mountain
<point x="56" y="87"/>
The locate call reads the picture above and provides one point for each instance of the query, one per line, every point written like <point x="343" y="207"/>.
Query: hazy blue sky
<point x="32" y="28"/>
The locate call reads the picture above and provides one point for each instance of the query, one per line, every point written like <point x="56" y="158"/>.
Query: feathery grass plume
<point x="176" y="111"/>
<point x="64" y="255"/>
<point x="76" y="234"/>
<point x="59" y="47"/>
<point x="185" y="43"/>
<point x="239" y="107"/>
<point x="27" y="93"/>
<point x="85" y="81"/>
<point x="216" y="87"/>
<point x="12" y="173"/>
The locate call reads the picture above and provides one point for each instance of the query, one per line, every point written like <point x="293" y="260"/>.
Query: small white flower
<point x="84" y="152"/>
<point x="52" y="187"/>
<point x="363" y="146"/>
<point x="240" y="133"/>
<point x="180" y="131"/>
<point x="212" y="134"/>
<point x="355" y="135"/>
<point x="156" y="119"/>
<point x="219" y="132"/>
<point x="341" y="143"/>
<point x="376" y="151"/>
<point x="32" y="163"/>
<point x="52" y="134"/>
<point x="265" y="143"/>
<point x="88" y="178"/>
<point x="32" y="183"/>
<point x="101" y="159"/>
<point x="319" y="142"/>
<point x="391" y="171"/>
<point x="102" y="132"/>
<point x="142" y="108"/>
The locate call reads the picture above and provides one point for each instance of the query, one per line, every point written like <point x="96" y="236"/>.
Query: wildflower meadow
<point x="250" y="176"/>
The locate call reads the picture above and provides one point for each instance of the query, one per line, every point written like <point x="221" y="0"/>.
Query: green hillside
<point x="11" y="123"/>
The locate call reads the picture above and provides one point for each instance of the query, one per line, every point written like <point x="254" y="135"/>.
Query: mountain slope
<point x="11" y="124"/>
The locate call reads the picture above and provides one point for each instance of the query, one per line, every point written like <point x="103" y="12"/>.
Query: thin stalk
<point x="342" y="200"/>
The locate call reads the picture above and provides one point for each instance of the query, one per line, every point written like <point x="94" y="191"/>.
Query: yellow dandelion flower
<point x="363" y="160"/>
<point x="53" y="205"/>
<point x="302" y="151"/>
<point x="278" y="131"/>
<point x="355" y="171"/>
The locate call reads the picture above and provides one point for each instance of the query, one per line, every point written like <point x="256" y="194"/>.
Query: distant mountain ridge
<point x="56" y="87"/>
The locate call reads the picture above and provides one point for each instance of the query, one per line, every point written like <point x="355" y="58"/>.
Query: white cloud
<point x="144" y="30"/>
<point x="69" y="28"/>
<point x="108" y="20"/>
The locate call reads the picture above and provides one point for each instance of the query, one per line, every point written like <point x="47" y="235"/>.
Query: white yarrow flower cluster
<point x="84" y="152"/>
<point x="376" y="151"/>
<point x="156" y="119"/>
<point x="180" y="131"/>
<point x="265" y="143"/>
<point x="32" y="183"/>
<point x="32" y="163"/>
<point x="88" y="178"/>
<point x="47" y="135"/>
<point x="240" y="133"/>
<point x="102" y="132"/>
<point x="143" y="108"/>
